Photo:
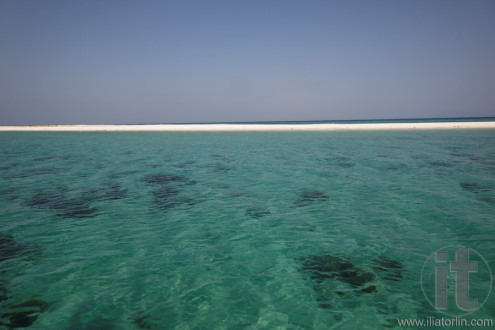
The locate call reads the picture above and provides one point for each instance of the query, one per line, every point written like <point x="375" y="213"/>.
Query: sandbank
<point x="254" y="127"/>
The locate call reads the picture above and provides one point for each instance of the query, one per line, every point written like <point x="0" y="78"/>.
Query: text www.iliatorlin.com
<point x="444" y="322"/>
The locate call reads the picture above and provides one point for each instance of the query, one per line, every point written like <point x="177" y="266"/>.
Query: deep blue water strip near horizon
<point x="257" y="230"/>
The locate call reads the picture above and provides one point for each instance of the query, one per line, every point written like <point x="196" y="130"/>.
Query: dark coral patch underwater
<point x="167" y="194"/>
<point x="14" y="314"/>
<point x="388" y="269"/>
<point x="257" y="212"/>
<point x="323" y="269"/>
<point x="115" y="191"/>
<point x="482" y="191"/>
<point x="165" y="178"/>
<point x="346" y="164"/>
<point x="75" y="204"/>
<point x="62" y="205"/>
<point x="220" y="168"/>
<point x="474" y="187"/>
<point x="166" y="197"/>
<point x="142" y="321"/>
<point x="22" y="315"/>
<point x="327" y="267"/>
<point x="310" y="196"/>
<point x="9" y="248"/>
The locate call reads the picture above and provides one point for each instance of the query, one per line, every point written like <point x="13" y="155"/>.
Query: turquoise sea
<point x="238" y="230"/>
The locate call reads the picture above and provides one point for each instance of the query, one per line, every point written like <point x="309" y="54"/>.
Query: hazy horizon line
<point x="476" y="118"/>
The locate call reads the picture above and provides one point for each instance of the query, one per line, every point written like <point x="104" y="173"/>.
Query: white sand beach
<point x="255" y="127"/>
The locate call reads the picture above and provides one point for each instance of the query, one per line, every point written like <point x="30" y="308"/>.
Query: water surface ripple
<point x="258" y="230"/>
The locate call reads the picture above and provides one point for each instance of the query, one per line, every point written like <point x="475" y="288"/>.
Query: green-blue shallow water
<point x="236" y="230"/>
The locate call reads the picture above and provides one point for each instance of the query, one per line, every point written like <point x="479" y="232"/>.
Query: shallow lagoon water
<point x="297" y="230"/>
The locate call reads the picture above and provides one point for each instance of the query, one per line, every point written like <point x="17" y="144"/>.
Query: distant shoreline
<point x="252" y="127"/>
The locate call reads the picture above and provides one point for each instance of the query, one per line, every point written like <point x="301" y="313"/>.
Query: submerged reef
<point x="220" y="168"/>
<point x="22" y="315"/>
<point x="310" y="196"/>
<point x="167" y="194"/>
<point x="387" y="268"/>
<point x="10" y="248"/>
<point x="324" y="269"/>
<point x="328" y="266"/>
<point x="166" y="197"/>
<point x="4" y="293"/>
<point x="257" y="212"/>
<point x="141" y="320"/>
<point x="346" y="164"/>
<point x="115" y="191"/>
<point x="75" y="204"/>
<point x="474" y="187"/>
<point x="15" y="314"/>
<point x="164" y="178"/>
<point x="483" y="192"/>
<point x="62" y="205"/>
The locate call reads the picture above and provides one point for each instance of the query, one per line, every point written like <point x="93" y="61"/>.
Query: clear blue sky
<point x="102" y="62"/>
